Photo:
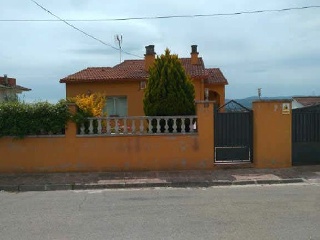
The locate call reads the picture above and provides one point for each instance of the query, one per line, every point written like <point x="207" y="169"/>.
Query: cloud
<point x="278" y="51"/>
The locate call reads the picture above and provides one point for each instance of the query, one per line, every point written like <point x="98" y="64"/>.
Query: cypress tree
<point x="169" y="91"/>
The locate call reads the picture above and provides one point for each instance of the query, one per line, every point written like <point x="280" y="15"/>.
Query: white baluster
<point x="91" y="126"/>
<point x="166" y="127"/>
<point x="183" y="126"/>
<point x="174" y="126"/>
<point x="99" y="126"/>
<point x="108" y="126"/>
<point x="116" y="127"/>
<point x="191" y="125"/>
<point x="150" y="125"/>
<point x="141" y="125"/>
<point x="158" y="125"/>
<point x="133" y="126"/>
<point x="125" y="129"/>
<point x="82" y="128"/>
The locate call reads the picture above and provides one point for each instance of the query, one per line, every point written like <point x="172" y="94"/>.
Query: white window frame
<point x="116" y="111"/>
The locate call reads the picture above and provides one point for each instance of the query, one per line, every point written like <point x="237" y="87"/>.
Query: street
<point x="243" y="212"/>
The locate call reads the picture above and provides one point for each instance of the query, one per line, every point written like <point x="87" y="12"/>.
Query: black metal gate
<point x="306" y="135"/>
<point x="233" y="133"/>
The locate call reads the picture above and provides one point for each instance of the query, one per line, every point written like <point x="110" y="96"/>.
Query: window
<point x="116" y="106"/>
<point x="143" y="85"/>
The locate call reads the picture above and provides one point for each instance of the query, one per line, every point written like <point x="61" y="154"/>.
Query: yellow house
<point x="124" y="83"/>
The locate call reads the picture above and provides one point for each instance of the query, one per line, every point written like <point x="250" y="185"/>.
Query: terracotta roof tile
<point x="215" y="76"/>
<point x="134" y="70"/>
<point x="194" y="70"/>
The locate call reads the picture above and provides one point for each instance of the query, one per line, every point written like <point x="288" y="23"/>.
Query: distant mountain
<point x="247" y="102"/>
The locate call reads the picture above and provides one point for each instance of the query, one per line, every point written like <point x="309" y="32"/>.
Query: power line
<point x="158" y="17"/>
<point x="78" y="29"/>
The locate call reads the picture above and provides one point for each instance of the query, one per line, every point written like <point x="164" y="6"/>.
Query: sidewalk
<point x="103" y="180"/>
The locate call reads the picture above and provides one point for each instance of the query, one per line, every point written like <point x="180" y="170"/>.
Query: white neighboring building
<point x="9" y="89"/>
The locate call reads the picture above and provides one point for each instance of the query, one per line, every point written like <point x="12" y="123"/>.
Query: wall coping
<point x="36" y="136"/>
<point x="138" y="135"/>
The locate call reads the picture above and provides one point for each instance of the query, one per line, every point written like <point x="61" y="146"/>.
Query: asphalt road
<point x="245" y="212"/>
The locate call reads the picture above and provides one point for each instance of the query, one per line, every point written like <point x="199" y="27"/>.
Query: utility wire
<point x="157" y="17"/>
<point x="78" y="29"/>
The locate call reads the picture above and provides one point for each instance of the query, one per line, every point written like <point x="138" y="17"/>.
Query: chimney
<point x="5" y="79"/>
<point x="194" y="55"/>
<point x="149" y="57"/>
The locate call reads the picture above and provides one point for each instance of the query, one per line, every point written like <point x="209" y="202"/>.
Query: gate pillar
<point x="272" y="133"/>
<point x="205" y="128"/>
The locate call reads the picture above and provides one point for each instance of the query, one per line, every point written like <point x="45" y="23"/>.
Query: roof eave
<point x="102" y="80"/>
<point x="217" y="83"/>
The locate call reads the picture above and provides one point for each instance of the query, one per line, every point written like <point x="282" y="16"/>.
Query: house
<point x="9" y="89"/>
<point x="124" y="83"/>
<point x="300" y="102"/>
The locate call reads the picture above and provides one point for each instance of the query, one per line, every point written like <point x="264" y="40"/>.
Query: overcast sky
<point x="278" y="52"/>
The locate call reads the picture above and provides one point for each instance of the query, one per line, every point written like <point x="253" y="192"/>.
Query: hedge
<point x="42" y="118"/>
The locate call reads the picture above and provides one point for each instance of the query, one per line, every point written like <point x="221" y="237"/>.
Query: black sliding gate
<point x="306" y="135"/>
<point x="233" y="133"/>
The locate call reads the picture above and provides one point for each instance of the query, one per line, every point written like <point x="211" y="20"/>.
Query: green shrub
<point x="41" y="118"/>
<point x="169" y="91"/>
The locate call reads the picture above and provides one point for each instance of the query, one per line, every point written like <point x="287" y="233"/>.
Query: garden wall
<point x="188" y="151"/>
<point x="72" y="153"/>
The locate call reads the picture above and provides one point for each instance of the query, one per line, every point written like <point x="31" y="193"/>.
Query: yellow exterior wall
<point x="132" y="90"/>
<point x="271" y="135"/>
<point x="220" y="89"/>
<point x="71" y="153"/>
<point x="198" y="88"/>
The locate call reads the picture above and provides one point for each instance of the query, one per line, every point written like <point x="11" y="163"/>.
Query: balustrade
<point x="139" y="125"/>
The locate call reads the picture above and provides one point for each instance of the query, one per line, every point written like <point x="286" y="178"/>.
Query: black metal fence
<point x="306" y="135"/>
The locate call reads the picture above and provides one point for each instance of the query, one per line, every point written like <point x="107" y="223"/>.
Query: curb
<point x="45" y="187"/>
<point x="185" y="184"/>
<point x="245" y="182"/>
<point x="9" y="188"/>
<point x="280" y="181"/>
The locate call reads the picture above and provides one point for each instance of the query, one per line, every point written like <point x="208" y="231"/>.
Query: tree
<point x="91" y="105"/>
<point x="88" y="106"/>
<point x="169" y="91"/>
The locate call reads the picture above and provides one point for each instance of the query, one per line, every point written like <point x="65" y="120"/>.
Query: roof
<point x="16" y="87"/>
<point x="215" y="76"/>
<point x="308" y="100"/>
<point x="10" y="83"/>
<point x="133" y="70"/>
